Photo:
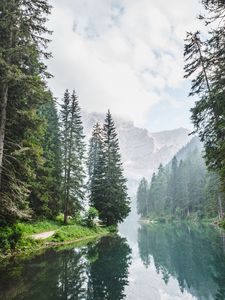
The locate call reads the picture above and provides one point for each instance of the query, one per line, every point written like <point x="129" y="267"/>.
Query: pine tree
<point x="22" y="92"/>
<point x="173" y="187"/>
<point x="117" y="203"/>
<point x="151" y="195"/>
<point x="184" y="188"/>
<point x="205" y="61"/>
<point x="73" y="155"/>
<point x="142" y="198"/>
<point x="182" y="191"/>
<point x="108" y="186"/>
<point x="95" y="167"/>
<point x="45" y="199"/>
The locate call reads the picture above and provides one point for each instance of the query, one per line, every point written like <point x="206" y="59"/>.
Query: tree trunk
<point x="220" y="207"/>
<point x="3" y="105"/>
<point x="67" y="193"/>
<point x="66" y="213"/>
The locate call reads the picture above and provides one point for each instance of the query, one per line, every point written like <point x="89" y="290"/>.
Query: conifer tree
<point x="205" y="65"/>
<point x="108" y="191"/>
<point x="22" y="91"/>
<point x="45" y="199"/>
<point x="184" y="188"/>
<point x="142" y="198"/>
<point x="151" y="196"/>
<point x="117" y="203"/>
<point x="73" y="155"/>
<point x="96" y="168"/>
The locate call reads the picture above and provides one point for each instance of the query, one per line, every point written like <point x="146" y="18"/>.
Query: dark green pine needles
<point x="107" y="185"/>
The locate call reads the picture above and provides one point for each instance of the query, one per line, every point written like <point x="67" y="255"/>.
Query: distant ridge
<point x="141" y="150"/>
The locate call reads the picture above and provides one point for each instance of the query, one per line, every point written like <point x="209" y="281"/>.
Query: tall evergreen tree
<point x="22" y="91"/>
<point x="142" y="198"/>
<point x="108" y="185"/>
<point x="117" y="203"/>
<point x="151" y="194"/>
<point x="96" y="168"/>
<point x="73" y="155"/>
<point x="45" y="199"/>
<point x="205" y="64"/>
<point x="172" y="187"/>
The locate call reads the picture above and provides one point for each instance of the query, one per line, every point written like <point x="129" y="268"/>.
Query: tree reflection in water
<point x="193" y="255"/>
<point x="96" y="271"/>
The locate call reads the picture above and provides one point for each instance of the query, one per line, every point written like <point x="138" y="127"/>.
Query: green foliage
<point x="142" y="198"/>
<point x="222" y="223"/>
<point x="10" y="237"/>
<point x="45" y="199"/>
<point x="29" y="228"/>
<point x="182" y="189"/>
<point x="22" y="83"/>
<point x="60" y="218"/>
<point x="204" y="56"/>
<point x="73" y="148"/>
<point x="107" y="185"/>
<point x="91" y="217"/>
<point x="73" y="232"/>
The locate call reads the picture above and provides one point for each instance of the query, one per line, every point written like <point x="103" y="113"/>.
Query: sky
<point x="126" y="56"/>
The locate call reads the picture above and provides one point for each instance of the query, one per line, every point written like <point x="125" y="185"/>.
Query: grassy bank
<point x="25" y="244"/>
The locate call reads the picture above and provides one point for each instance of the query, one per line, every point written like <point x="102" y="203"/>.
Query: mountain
<point x="141" y="150"/>
<point x="192" y="145"/>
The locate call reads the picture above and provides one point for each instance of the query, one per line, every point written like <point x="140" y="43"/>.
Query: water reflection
<point x="169" y="262"/>
<point x="194" y="255"/>
<point x="97" y="271"/>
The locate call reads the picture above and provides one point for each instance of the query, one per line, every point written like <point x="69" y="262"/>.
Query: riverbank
<point x="34" y="237"/>
<point x="191" y="220"/>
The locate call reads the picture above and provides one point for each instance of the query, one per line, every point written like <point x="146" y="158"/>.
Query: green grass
<point x="39" y="226"/>
<point x="26" y="245"/>
<point x="73" y="232"/>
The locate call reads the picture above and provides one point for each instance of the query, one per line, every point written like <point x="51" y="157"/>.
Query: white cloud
<point x="123" y="55"/>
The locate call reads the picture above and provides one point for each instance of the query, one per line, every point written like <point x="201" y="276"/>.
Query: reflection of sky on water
<point x="145" y="283"/>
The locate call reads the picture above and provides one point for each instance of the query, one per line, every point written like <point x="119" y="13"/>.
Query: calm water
<point x="145" y="262"/>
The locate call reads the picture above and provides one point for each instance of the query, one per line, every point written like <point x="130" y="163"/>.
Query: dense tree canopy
<point x="184" y="188"/>
<point x="42" y="155"/>
<point x="22" y="92"/>
<point x="205" y="65"/>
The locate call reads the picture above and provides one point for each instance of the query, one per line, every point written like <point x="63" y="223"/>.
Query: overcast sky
<point x="126" y="55"/>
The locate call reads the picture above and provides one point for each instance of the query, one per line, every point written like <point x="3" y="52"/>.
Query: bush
<point x="60" y="218"/>
<point x="112" y="228"/>
<point x="10" y="236"/>
<point x="91" y="217"/>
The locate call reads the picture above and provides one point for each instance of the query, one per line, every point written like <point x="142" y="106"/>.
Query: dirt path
<point x="43" y="235"/>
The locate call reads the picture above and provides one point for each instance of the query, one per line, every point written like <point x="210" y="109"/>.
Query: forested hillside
<point x="183" y="188"/>
<point x="43" y="157"/>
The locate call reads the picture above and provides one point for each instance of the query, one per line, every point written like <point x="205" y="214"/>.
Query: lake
<point x="155" y="262"/>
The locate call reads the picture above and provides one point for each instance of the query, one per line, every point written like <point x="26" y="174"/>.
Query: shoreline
<point x="212" y="222"/>
<point x="41" y="246"/>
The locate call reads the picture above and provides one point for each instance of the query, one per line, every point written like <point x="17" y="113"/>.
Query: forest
<point x="46" y="172"/>
<point x="193" y="185"/>
<point x="81" y="126"/>
<point x="183" y="189"/>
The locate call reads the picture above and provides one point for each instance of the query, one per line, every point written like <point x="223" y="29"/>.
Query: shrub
<point x="10" y="236"/>
<point x="60" y="218"/>
<point x="91" y="217"/>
